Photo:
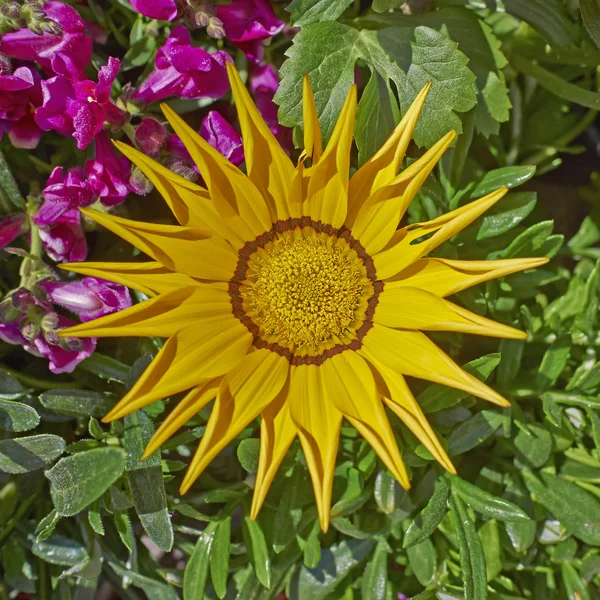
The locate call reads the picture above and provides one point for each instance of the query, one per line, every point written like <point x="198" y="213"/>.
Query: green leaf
<point x="17" y="417"/>
<point x="336" y="563"/>
<point x="506" y="215"/>
<point x="196" y="571"/>
<point x="258" y="551"/>
<point x="312" y="548"/>
<point x="590" y="11"/>
<point x="78" y="480"/>
<point x="10" y="388"/>
<point x="438" y="397"/>
<point x="489" y="535"/>
<point x="509" y="177"/>
<point x="546" y="16"/>
<point x="534" y="445"/>
<point x="247" y="453"/>
<point x="17" y="570"/>
<point x="576" y="509"/>
<point x="105" y="367"/>
<point x="47" y="525"/>
<point x="573" y="582"/>
<point x="375" y="577"/>
<point x="510" y="364"/>
<point x="146" y="481"/>
<point x="154" y="589"/>
<point x="472" y="558"/>
<point x="59" y="550"/>
<point x="485" y="503"/>
<point x="554" y="362"/>
<point x="408" y="57"/>
<point x="377" y="115"/>
<point x="534" y="241"/>
<point x="473" y="432"/>
<point x="77" y="402"/>
<point x="8" y="185"/>
<point x="219" y="556"/>
<point x="387" y="491"/>
<point x="422" y="558"/>
<point x="25" y="454"/>
<point x="95" y="518"/>
<point x="123" y="524"/>
<point x="305" y="12"/>
<point x="139" y="53"/>
<point x="430" y="517"/>
<point x="289" y="511"/>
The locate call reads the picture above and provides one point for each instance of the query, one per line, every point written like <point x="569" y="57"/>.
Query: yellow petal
<point x="151" y="278"/>
<point x="383" y="166"/>
<point x="318" y="423"/>
<point x="183" y="249"/>
<point x="404" y="249"/>
<point x="413" y="353"/>
<point x="189" y="358"/>
<point x="379" y="216"/>
<point x="413" y="308"/>
<point x="351" y="387"/>
<point x="277" y="432"/>
<point x="327" y="194"/>
<point x="267" y="164"/>
<point x="313" y="141"/>
<point x="161" y="316"/>
<point x="404" y="404"/>
<point x="185" y="410"/>
<point x="234" y="195"/>
<point x="444" y="277"/>
<point x="245" y="391"/>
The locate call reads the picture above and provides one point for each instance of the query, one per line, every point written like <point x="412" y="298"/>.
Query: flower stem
<point x="40" y="384"/>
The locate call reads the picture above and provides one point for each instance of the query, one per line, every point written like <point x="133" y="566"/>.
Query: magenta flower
<point x="11" y="228"/>
<point x="20" y="95"/>
<point x="184" y="71"/>
<point x="66" y="54"/>
<point x="150" y="136"/>
<point x="63" y="192"/>
<point x="89" y="298"/>
<point x="163" y="10"/>
<point x="247" y="23"/>
<point x="108" y="173"/>
<point x="64" y="239"/>
<point x="264" y="83"/>
<point x="223" y="137"/>
<point x="80" y="108"/>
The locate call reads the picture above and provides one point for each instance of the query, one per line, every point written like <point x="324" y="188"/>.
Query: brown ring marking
<point x="241" y="270"/>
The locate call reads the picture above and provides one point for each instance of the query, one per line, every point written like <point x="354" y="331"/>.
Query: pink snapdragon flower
<point x="247" y="23"/>
<point x="11" y="228"/>
<point x="80" y="108"/>
<point x="64" y="239"/>
<point x="150" y="136"/>
<point x="66" y="54"/>
<point x="184" y="71"/>
<point x="163" y="10"/>
<point x="20" y="95"/>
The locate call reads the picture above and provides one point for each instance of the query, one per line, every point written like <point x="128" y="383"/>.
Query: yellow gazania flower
<point x="289" y="293"/>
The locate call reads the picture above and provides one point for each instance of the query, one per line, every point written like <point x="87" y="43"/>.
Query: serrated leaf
<point x="77" y="402"/>
<point x="472" y="558"/>
<point x="327" y="52"/>
<point x="25" y="454"/>
<point x="123" y="524"/>
<point x="17" y="417"/>
<point x="305" y="12"/>
<point x="485" y="503"/>
<point x="219" y="556"/>
<point x="146" y="481"/>
<point x="76" y="481"/>
<point x="430" y="517"/>
<point x="576" y="509"/>
<point x="335" y="564"/>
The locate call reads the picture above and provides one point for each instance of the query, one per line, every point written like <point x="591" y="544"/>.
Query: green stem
<point x="19" y="514"/>
<point x="29" y="264"/>
<point x="40" y="384"/>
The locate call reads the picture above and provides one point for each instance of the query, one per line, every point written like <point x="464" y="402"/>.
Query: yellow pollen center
<point x="304" y="288"/>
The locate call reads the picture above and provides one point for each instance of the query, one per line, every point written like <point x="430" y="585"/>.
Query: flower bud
<point x="150" y="136"/>
<point x="139" y="183"/>
<point x="50" y="26"/>
<point x="180" y="167"/>
<point x="22" y="299"/>
<point x="11" y="10"/>
<point x="215" y="28"/>
<point x="49" y="322"/>
<point x="5" y="65"/>
<point x="29" y="330"/>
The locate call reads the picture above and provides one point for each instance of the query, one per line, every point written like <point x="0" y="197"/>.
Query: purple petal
<point x="164" y="10"/>
<point x="86" y="124"/>
<point x="106" y="76"/>
<point x="223" y="137"/>
<point x="11" y="228"/>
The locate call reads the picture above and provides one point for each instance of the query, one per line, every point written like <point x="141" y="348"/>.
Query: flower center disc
<point x="304" y="290"/>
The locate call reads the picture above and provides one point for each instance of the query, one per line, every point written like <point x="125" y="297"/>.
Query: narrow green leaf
<point x="547" y="16"/>
<point x="509" y="177"/>
<point x="590" y="11"/>
<point x="219" y="556"/>
<point x="17" y="417"/>
<point x="312" y="548"/>
<point x="76" y="481"/>
<point x="47" y="525"/>
<point x="575" y="508"/>
<point x="506" y="215"/>
<point x="387" y="490"/>
<point x="95" y="518"/>
<point x="422" y="558"/>
<point x="534" y="445"/>
<point x="59" y="550"/>
<point x="77" y="402"/>
<point x="572" y="399"/>
<point x="489" y="534"/>
<point x="537" y="240"/>
<point x="473" y="432"/>
<point x="375" y="577"/>
<point x="512" y="355"/>
<point x="105" y="367"/>
<point x="472" y="558"/>
<point x="289" y="511"/>
<point x="196" y="571"/>
<point x="430" y="517"/>
<point x="485" y="503"/>
<point x="575" y="586"/>
<point x="25" y="454"/>
<point x="146" y="481"/>
<point x="554" y="362"/>
<point x="258" y="551"/>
